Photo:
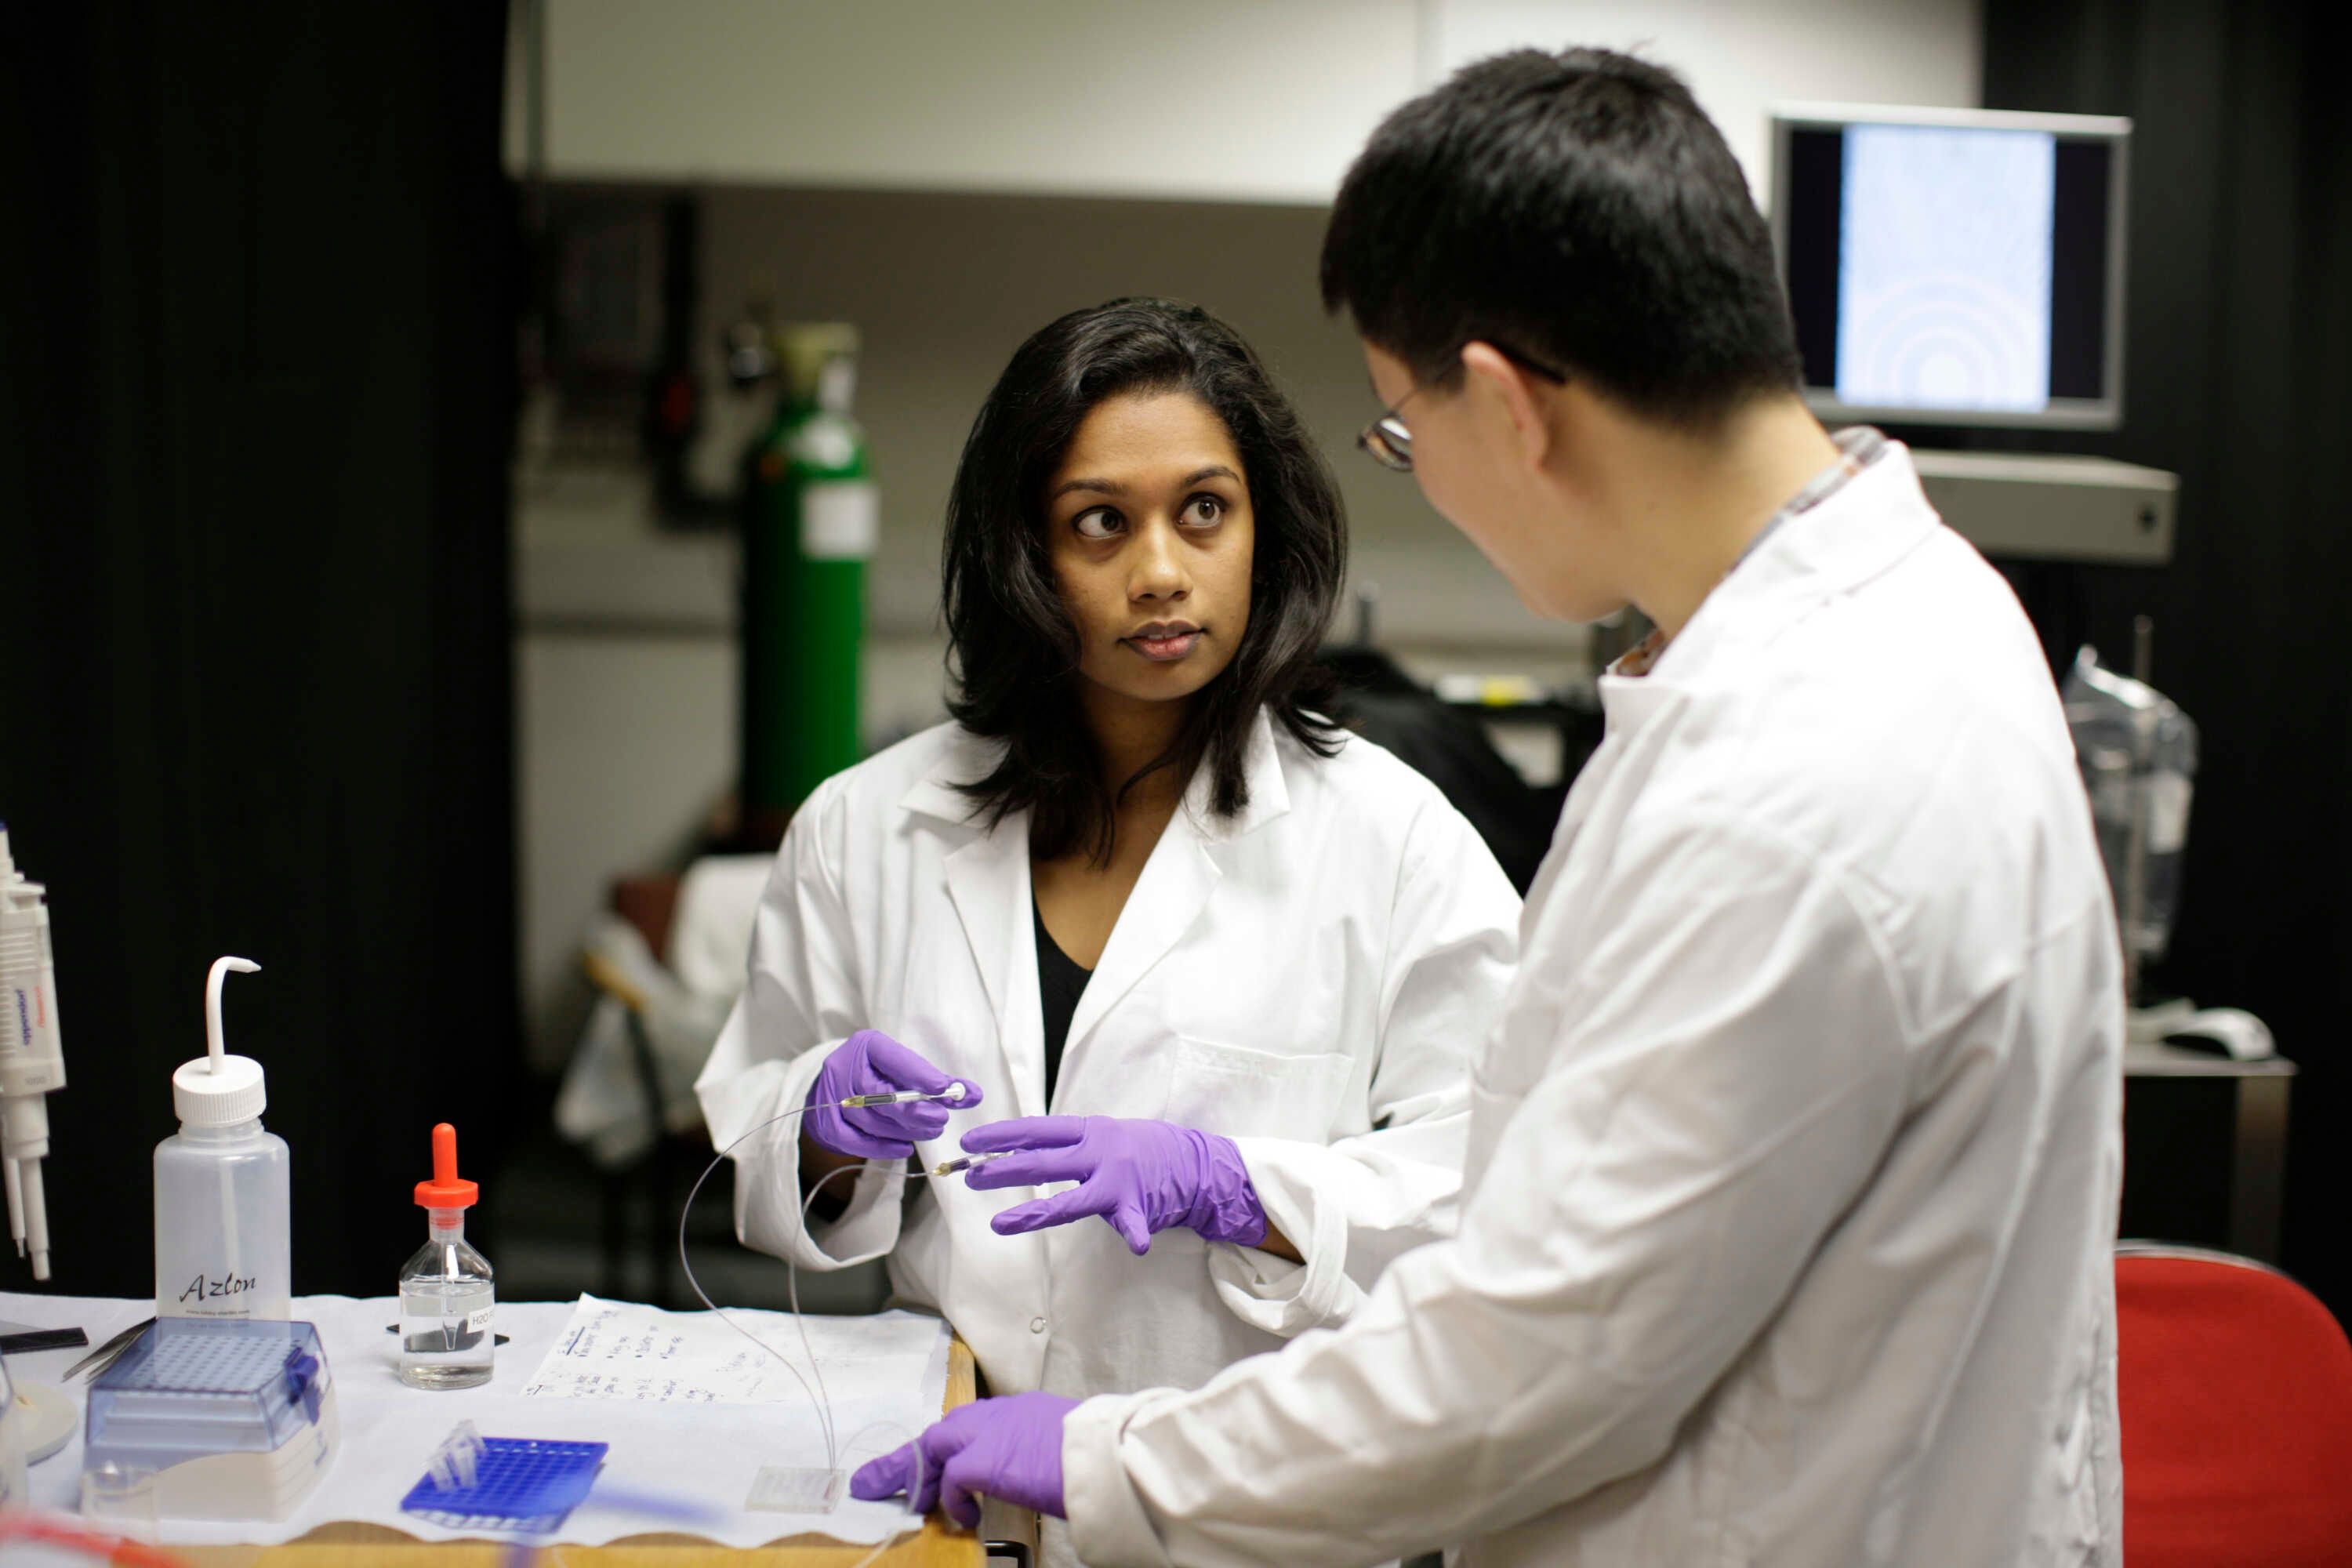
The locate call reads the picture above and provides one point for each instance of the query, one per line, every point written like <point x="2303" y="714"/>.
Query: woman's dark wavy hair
<point x="1013" y="648"/>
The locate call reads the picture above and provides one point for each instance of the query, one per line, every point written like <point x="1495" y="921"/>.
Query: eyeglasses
<point x="1390" y="444"/>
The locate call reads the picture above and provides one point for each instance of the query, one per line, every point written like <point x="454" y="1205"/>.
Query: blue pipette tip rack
<point x="519" y="1484"/>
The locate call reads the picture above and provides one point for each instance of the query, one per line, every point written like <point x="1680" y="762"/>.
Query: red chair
<point x="2235" y="1389"/>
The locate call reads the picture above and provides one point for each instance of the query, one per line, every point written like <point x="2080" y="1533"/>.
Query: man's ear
<point x="1489" y="375"/>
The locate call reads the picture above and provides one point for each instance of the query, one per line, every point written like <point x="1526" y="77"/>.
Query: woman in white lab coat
<point x="1136" y="878"/>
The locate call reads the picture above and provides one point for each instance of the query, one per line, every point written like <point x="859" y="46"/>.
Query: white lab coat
<point x="1788" y="1220"/>
<point x="1308" y="978"/>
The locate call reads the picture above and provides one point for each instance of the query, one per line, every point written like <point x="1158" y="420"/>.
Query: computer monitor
<point x="1954" y="267"/>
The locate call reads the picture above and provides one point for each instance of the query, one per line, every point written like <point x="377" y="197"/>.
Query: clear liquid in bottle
<point x="447" y="1311"/>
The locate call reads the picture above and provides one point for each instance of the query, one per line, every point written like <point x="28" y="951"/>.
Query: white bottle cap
<point x="218" y="1089"/>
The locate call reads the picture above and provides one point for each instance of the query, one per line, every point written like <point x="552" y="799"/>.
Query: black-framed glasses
<point x="1390" y="444"/>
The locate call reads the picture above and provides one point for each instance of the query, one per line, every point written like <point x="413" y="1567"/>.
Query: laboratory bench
<point x="373" y="1546"/>
<point x="350" y="1540"/>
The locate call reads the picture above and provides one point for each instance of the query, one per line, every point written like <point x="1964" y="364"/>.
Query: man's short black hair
<point x="1579" y="209"/>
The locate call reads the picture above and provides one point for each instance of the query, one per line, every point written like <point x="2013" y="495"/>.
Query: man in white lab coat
<point x="1793" y="1162"/>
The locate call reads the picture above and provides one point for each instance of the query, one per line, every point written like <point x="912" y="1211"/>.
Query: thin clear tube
<point x="816" y="1391"/>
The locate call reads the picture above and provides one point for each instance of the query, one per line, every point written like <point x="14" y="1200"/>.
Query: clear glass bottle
<point x="448" y="1305"/>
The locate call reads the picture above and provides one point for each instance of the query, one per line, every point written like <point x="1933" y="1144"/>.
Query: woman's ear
<point x="1501" y="390"/>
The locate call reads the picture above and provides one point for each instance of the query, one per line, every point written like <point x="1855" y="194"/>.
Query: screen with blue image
<point x="1950" y="269"/>
<point x="1944" y="274"/>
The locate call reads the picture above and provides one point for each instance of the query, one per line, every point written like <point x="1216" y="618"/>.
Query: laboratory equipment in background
<point x="810" y="523"/>
<point x="32" y="1060"/>
<point x="210" y="1419"/>
<point x="2040" y="506"/>
<point x="223" y="1192"/>
<point x="2138" y="755"/>
<point x="1954" y="267"/>
<point x="447" y="1302"/>
<point x="2231" y="1032"/>
<point x="593" y="336"/>
<point x="673" y="396"/>
<point x="35" y="1419"/>
<point x="1503" y="749"/>
<point x="1966" y="268"/>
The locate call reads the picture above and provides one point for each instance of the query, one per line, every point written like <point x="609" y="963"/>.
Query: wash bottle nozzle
<point x="218" y="1089"/>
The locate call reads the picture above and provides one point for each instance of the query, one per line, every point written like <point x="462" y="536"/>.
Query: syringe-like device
<point x="967" y="1162"/>
<point x="952" y="1093"/>
<point x="32" y="1064"/>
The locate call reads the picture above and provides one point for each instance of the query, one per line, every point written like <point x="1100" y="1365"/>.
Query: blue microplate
<point x="519" y="1484"/>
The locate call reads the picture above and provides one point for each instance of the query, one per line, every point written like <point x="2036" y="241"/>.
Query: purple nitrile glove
<point x="871" y="1062"/>
<point x="1009" y="1448"/>
<point x="1140" y="1176"/>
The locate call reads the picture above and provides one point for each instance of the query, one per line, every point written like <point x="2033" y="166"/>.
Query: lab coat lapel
<point x="1173" y="891"/>
<point x="1168" y="898"/>
<point x="988" y="882"/>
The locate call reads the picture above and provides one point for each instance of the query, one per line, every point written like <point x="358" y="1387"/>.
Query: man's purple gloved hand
<point x="1142" y="1176"/>
<point x="1009" y="1448"/>
<point x="871" y="1062"/>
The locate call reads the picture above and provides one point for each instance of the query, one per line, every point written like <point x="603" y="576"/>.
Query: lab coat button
<point x="1036" y="1325"/>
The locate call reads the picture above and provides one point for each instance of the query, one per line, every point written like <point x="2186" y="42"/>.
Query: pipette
<point x="32" y="1066"/>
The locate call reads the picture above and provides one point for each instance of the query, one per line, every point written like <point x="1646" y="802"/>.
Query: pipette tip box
<point x="210" y="1419"/>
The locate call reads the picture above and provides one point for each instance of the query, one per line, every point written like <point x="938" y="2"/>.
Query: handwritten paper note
<point x="611" y="1350"/>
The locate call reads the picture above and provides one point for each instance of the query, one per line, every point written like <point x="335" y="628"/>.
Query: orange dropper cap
<point x="445" y="1191"/>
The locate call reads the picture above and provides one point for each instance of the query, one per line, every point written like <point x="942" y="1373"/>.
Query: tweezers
<point x="106" y="1354"/>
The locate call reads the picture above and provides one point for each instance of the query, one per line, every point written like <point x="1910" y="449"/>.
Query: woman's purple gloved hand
<point x="1140" y="1176"/>
<point x="871" y="1062"/>
<point x="1009" y="1448"/>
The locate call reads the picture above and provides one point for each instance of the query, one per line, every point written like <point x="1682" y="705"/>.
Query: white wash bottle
<point x="222" y="1194"/>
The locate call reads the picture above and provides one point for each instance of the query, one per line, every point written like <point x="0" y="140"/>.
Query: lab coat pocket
<point x="1245" y="1093"/>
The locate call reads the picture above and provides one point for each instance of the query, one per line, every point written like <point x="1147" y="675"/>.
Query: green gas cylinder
<point x="810" y="523"/>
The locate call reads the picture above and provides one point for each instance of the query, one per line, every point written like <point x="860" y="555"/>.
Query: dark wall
<point x="256" y="363"/>
<point x="2238" y="365"/>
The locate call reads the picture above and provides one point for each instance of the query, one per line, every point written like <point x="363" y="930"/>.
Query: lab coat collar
<point x="1874" y="521"/>
<point x="969" y="757"/>
<point x="966" y="759"/>
<point x="1269" y="791"/>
